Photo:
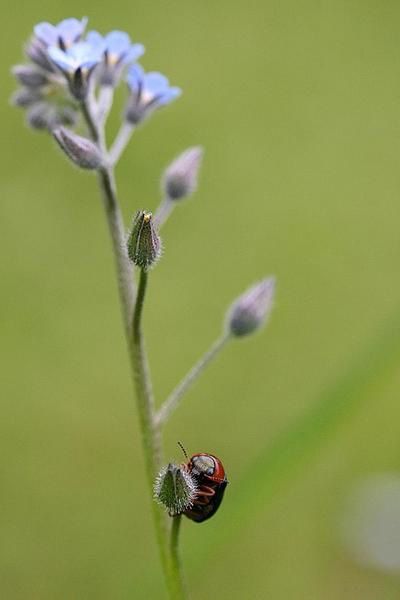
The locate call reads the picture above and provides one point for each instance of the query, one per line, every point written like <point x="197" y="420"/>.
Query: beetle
<point x="209" y="475"/>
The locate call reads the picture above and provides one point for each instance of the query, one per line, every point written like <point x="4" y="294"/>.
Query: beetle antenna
<point x="183" y="450"/>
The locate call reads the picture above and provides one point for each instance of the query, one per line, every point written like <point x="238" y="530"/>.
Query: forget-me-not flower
<point x="118" y="51"/>
<point x="77" y="63"/>
<point x="149" y="91"/>
<point x="64" y="34"/>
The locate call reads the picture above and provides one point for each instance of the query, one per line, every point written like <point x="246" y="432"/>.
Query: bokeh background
<point x="298" y="107"/>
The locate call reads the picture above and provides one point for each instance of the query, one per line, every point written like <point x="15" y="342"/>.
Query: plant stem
<point x="93" y="129"/>
<point x="172" y="402"/>
<point x="132" y="315"/>
<point x="126" y="284"/>
<point x="116" y="227"/>
<point x="163" y="211"/>
<point x="120" y="142"/>
<point x="151" y="438"/>
<point x="145" y="405"/>
<point x="174" y="550"/>
<point x="105" y="102"/>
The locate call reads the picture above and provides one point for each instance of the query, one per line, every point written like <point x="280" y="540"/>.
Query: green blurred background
<point x="297" y="105"/>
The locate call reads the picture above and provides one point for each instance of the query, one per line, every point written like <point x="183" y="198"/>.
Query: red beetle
<point x="209" y="475"/>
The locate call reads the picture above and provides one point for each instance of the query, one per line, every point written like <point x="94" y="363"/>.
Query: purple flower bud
<point x="37" y="52"/>
<point x="175" y="489"/>
<point x="25" y="97"/>
<point x="83" y="152"/>
<point x="250" y="311"/>
<point x="30" y="76"/>
<point x="40" y="116"/>
<point x="66" y="115"/>
<point x="144" y="243"/>
<point x="180" y="178"/>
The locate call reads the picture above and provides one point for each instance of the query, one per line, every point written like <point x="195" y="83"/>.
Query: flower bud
<point x="84" y="153"/>
<point x="66" y="115"/>
<point x="40" y="115"/>
<point x="24" y="97"/>
<point x="29" y="76"/>
<point x="175" y="488"/>
<point x="37" y="52"/>
<point x="250" y="311"/>
<point x="180" y="178"/>
<point x="144" y="243"/>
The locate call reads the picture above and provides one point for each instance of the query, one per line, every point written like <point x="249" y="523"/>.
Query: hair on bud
<point x="180" y="178"/>
<point x="251" y="310"/>
<point x="30" y="76"/>
<point x="40" y="116"/>
<point x="144" y="243"/>
<point x="175" y="489"/>
<point x="83" y="152"/>
<point x="25" y="97"/>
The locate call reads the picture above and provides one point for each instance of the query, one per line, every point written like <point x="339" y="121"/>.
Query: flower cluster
<point x="68" y="67"/>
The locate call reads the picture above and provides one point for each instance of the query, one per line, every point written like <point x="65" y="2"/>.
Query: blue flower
<point x="77" y="63"/>
<point x="117" y="46"/>
<point x="118" y="51"/>
<point x="66" y="33"/>
<point x="79" y="56"/>
<point x="149" y="91"/>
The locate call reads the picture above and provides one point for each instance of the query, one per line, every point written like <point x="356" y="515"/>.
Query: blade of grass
<point x="307" y="435"/>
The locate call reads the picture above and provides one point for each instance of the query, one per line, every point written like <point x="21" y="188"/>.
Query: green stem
<point x="163" y="211"/>
<point x="175" y="559"/>
<point x="117" y="233"/>
<point x="145" y="405"/>
<point x="151" y="437"/>
<point x="132" y="314"/>
<point x="115" y="222"/>
<point x="173" y="400"/>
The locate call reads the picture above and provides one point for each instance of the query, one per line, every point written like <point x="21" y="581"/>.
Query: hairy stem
<point x="91" y="125"/>
<point x="132" y="314"/>
<point x="151" y="438"/>
<point x="126" y="284"/>
<point x="145" y="405"/>
<point x="172" y="402"/>
<point x="116" y="227"/>
<point x="120" y="142"/>
<point x="174" y="550"/>
<point x="163" y="211"/>
<point x="105" y="102"/>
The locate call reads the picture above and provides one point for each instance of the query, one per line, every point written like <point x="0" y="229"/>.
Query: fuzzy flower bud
<point x="250" y="311"/>
<point x="39" y="116"/>
<point x="175" y="489"/>
<point x="180" y="178"/>
<point x="30" y="76"/>
<point x="25" y="97"/>
<point x="144" y="243"/>
<point x="84" y="153"/>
